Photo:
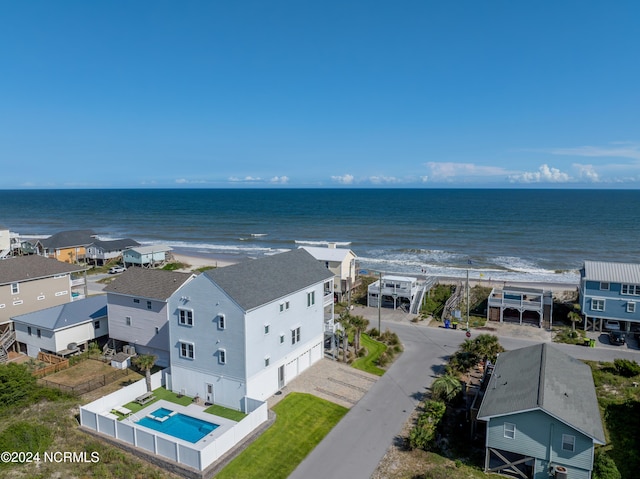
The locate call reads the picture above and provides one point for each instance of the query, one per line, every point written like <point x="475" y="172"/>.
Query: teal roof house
<point x="541" y="413"/>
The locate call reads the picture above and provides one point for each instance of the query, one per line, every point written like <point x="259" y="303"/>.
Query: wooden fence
<point x="56" y="363"/>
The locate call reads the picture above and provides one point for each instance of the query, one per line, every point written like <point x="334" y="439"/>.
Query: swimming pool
<point x="177" y="425"/>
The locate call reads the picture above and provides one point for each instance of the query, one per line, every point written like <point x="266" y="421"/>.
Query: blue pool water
<point x="178" y="425"/>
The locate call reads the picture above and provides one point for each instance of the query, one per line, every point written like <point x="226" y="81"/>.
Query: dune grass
<point x="369" y="362"/>
<point x="302" y="421"/>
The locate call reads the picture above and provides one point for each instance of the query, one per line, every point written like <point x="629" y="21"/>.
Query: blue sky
<point x="297" y="93"/>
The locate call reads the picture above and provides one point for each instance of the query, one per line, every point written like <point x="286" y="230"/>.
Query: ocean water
<point x="510" y="235"/>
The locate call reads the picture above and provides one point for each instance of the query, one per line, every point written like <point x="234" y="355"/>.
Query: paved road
<point x="356" y="445"/>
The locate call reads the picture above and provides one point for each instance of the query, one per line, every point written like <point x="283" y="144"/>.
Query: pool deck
<point x="192" y="410"/>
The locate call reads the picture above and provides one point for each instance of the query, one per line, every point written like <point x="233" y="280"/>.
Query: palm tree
<point x="359" y="325"/>
<point x="145" y="362"/>
<point x="446" y="388"/>
<point x="574" y="316"/>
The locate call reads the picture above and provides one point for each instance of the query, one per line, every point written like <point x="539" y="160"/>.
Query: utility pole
<point x="379" y="302"/>
<point x="468" y="298"/>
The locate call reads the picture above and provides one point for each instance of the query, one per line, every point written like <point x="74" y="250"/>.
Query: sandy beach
<point x="196" y="262"/>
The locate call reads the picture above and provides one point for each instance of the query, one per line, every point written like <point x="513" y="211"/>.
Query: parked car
<point x="617" y="338"/>
<point x="612" y="325"/>
<point x="117" y="269"/>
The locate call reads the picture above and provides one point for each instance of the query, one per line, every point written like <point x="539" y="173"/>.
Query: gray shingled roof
<point x="66" y="315"/>
<point x="66" y="239"/>
<point x="24" y="268"/>
<point x="115" y="245"/>
<point x="148" y="283"/>
<point x="253" y="283"/>
<point x="543" y="377"/>
<point x="628" y="273"/>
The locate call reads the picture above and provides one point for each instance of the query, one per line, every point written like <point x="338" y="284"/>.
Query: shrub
<point x="17" y="385"/>
<point x="604" y="467"/>
<point x="423" y="435"/>
<point x="27" y="437"/>
<point x="626" y="367"/>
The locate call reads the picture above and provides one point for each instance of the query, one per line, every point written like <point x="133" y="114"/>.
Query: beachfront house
<point x="521" y="305"/>
<point x="65" y="329"/>
<point x="101" y="252"/>
<point x="146" y="256"/>
<point x="240" y="333"/>
<point x="396" y="292"/>
<point x="66" y="246"/>
<point x="30" y="283"/>
<point x="137" y="305"/>
<point x="342" y="263"/>
<point x="610" y="292"/>
<point x="5" y="242"/>
<point x="541" y="414"/>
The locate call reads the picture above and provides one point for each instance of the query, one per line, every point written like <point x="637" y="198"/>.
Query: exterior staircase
<point x="6" y="341"/>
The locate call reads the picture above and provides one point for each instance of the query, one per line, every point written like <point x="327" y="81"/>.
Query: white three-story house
<point x="240" y="333"/>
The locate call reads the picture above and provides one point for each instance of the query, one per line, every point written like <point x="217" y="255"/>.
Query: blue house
<point x="541" y="414"/>
<point x="610" y="291"/>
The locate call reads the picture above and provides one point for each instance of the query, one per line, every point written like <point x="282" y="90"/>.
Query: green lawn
<point x="162" y="393"/>
<point x="226" y="413"/>
<point x="302" y="421"/>
<point x="368" y="362"/>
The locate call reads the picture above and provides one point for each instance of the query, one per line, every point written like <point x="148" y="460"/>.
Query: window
<point x="311" y="298"/>
<point x="38" y="333"/>
<point x="568" y="442"/>
<point x="96" y="324"/>
<point x="633" y="289"/>
<point x="222" y="356"/>
<point x="295" y="335"/>
<point x="267" y="360"/>
<point x="157" y="330"/>
<point x="185" y="317"/>
<point x="604" y="286"/>
<point x="29" y="330"/>
<point x="631" y="307"/>
<point x="41" y="297"/>
<point x="137" y="301"/>
<point x="148" y="304"/>
<point x="15" y="288"/>
<point x="17" y="303"/>
<point x="221" y="321"/>
<point x="284" y="306"/>
<point x="127" y="320"/>
<point x="266" y="329"/>
<point x="186" y="350"/>
<point x="509" y="430"/>
<point x="281" y="338"/>
<point x="62" y="293"/>
<point x="597" y="304"/>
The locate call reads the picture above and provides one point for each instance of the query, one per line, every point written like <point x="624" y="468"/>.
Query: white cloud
<point x="545" y="174"/>
<point x="379" y="180"/>
<point x="448" y="170"/>
<point x="184" y="181"/>
<point x="344" y="179"/>
<point x="282" y="180"/>
<point x="246" y="179"/>
<point x="618" y="150"/>
<point x="587" y="172"/>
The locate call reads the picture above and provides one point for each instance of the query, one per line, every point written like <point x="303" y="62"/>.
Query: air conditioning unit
<point x="560" y="472"/>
